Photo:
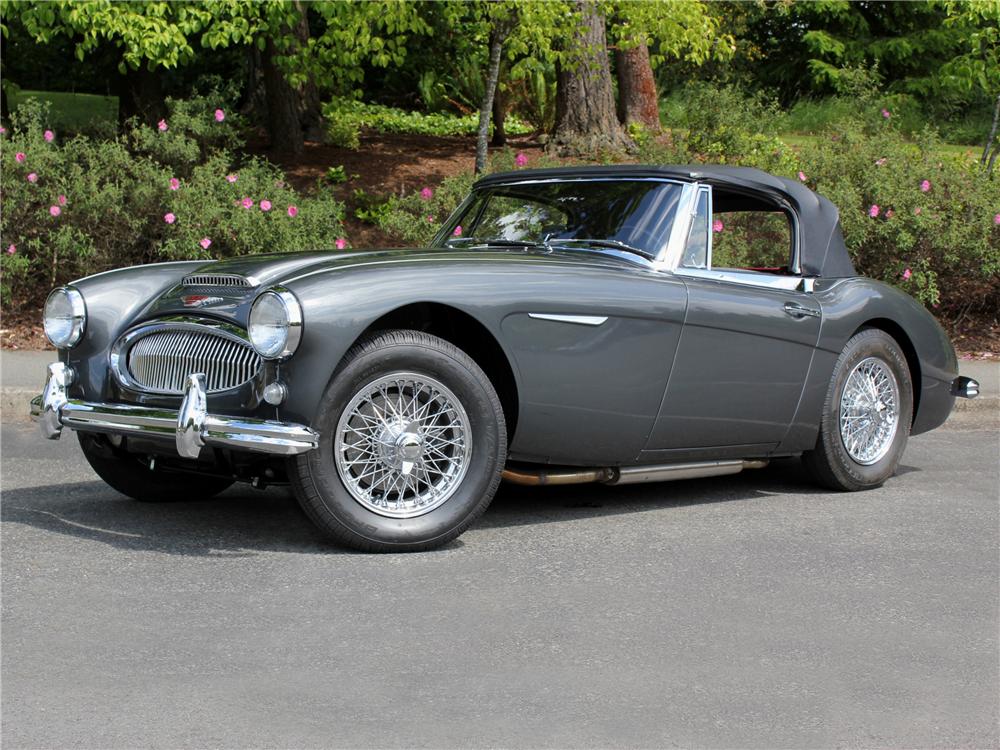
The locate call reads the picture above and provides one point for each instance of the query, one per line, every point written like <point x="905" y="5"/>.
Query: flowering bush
<point x="912" y="215"/>
<point x="97" y="204"/>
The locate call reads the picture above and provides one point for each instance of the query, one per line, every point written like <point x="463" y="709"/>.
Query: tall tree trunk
<point x="282" y="106"/>
<point x="141" y="95"/>
<point x="991" y="141"/>
<point x="497" y="36"/>
<point x="637" y="97"/>
<point x="499" y="116"/>
<point x="586" y="122"/>
<point x="310" y="113"/>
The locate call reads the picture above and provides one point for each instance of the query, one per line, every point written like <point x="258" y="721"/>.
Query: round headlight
<point x="275" y="324"/>
<point x="65" y="317"/>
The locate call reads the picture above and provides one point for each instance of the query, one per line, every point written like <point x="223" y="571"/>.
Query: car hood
<point x="276" y="269"/>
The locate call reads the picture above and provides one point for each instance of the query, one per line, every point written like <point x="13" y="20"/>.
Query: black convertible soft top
<point x="821" y="241"/>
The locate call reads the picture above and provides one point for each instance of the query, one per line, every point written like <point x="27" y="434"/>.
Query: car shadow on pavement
<point x="244" y="522"/>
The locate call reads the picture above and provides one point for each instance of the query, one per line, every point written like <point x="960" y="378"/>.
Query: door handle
<point x="799" y="311"/>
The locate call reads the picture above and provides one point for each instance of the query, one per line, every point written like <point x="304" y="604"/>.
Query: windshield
<point x="630" y="215"/>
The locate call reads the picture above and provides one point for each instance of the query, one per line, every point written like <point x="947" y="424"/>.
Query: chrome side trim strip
<point x="584" y="320"/>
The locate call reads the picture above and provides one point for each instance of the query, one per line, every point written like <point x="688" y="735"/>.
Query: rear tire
<point x="127" y="474"/>
<point x="866" y="415"/>
<point x="412" y="444"/>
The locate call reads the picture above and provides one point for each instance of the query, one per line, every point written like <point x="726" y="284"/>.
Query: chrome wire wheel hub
<point x="403" y="445"/>
<point x="869" y="411"/>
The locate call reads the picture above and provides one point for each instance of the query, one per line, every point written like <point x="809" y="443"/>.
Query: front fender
<point x="115" y="299"/>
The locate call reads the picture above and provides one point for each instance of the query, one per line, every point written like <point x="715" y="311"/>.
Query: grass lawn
<point x="956" y="150"/>
<point x="73" y="111"/>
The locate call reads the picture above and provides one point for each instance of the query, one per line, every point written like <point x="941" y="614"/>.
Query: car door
<point x="743" y="356"/>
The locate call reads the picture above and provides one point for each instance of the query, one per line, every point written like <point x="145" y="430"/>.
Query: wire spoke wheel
<point x="403" y="445"/>
<point x="869" y="411"/>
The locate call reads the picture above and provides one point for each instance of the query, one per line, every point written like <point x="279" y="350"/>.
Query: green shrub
<point x="96" y="205"/>
<point x="346" y="117"/>
<point x="933" y="213"/>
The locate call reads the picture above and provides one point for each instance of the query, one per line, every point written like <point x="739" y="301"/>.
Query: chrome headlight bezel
<point x="77" y="317"/>
<point x="290" y="321"/>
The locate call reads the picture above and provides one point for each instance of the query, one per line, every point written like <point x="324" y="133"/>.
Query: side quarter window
<point x="697" y="250"/>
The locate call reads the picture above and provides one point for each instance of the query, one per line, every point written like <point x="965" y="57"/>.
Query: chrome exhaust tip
<point x="964" y="387"/>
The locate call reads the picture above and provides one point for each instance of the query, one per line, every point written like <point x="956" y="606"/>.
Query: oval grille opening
<point x="162" y="360"/>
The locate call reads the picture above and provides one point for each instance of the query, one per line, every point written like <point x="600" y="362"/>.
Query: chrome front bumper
<point x="190" y="428"/>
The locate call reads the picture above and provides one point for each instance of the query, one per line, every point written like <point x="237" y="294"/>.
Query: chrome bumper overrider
<point x="191" y="427"/>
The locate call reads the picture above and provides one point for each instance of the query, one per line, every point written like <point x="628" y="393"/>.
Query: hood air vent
<point x="219" y="280"/>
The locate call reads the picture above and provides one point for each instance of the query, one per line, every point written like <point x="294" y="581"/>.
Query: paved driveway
<point x="749" y="611"/>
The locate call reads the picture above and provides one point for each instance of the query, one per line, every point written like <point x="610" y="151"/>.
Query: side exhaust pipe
<point x="631" y="474"/>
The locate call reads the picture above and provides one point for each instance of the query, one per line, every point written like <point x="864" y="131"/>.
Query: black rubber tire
<point x="317" y="483"/>
<point x="130" y="476"/>
<point x="829" y="463"/>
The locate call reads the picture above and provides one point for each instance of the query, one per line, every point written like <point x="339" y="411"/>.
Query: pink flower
<point x="231" y="178"/>
<point x="293" y="211"/>
<point x="219" y="115"/>
<point x="265" y="205"/>
<point x="890" y="213"/>
<point x="61" y="200"/>
<point x="12" y="249"/>
<point x="925" y="186"/>
<point x="205" y="243"/>
<point x="19" y="157"/>
<point x="458" y="231"/>
<point x="520" y="160"/>
<point x="2" y="131"/>
<point x="162" y="126"/>
<point x="55" y="210"/>
<point x="881" y="162"/>
<point x="717" y="225"/>
<point x="886" y="113"/>
<point x="49" y="136"/>
<point x="341" y="243"/>
<point x="430" y="219"/>
<point x="874" y="210"/>
<point x="917" y="211"/>
<point x="32" y="178"/>
<point x="996" y="219"/>
<point x="175" y="184"/>
<point x="169" y="218"/>
<point x="426" y="194"/>
<point x="907" y="274"/>
<point x="246" y="203"/>
<point x="802" y="176"/>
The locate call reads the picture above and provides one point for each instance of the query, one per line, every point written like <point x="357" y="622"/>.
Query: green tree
<point x="153" y="35"/>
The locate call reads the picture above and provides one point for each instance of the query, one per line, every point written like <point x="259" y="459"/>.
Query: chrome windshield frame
<point x="445" y="233"/>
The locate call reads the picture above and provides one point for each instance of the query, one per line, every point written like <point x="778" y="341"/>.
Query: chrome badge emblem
<point x="200" y="300"/>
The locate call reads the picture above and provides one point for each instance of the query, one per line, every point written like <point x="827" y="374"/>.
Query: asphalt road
<point x="748" y="611"/>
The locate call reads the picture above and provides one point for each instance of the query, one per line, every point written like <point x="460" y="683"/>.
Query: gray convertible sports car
<point x="615" y="325"/>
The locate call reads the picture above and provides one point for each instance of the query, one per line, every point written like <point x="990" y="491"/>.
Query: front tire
<point x="866" y="416"/>
<point x="128" y="475"/>
<point x="412" y="444"/>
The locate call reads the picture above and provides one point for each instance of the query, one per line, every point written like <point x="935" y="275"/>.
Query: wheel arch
<point x="468" y="334"/>
<point x="899" y="335"/>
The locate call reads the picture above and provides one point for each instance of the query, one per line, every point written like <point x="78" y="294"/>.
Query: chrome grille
<point x="161" y="360"/>
<point x="217" y="279"/>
